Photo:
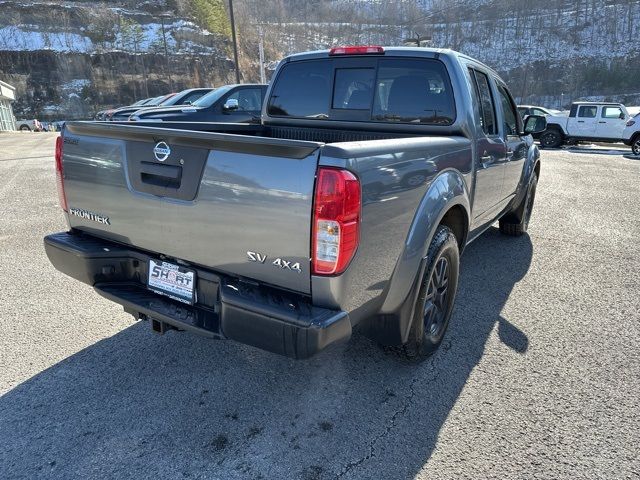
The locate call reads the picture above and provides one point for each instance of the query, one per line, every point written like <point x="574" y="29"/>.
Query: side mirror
<point x="534" y="124"/>
<point x="622" y="116"/>
<point x="230" y="105"/>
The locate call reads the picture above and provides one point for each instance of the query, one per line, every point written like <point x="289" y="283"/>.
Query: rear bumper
<point x="268" y="318"/>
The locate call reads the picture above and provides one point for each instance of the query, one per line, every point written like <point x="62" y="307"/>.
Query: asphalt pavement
<point x="538" y="376"/>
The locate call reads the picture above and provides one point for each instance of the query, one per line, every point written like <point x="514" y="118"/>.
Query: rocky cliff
<point x="69" y="59"/>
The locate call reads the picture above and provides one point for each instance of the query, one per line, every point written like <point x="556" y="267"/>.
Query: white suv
<point x="631" y="134"/>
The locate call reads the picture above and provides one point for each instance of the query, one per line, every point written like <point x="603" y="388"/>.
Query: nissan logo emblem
<point x="161" y="151"/>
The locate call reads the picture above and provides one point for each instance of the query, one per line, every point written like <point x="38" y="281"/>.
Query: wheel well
<point x="635" y="137"/>
<point x="456" y="219"/>
<point x="555" y="126"/>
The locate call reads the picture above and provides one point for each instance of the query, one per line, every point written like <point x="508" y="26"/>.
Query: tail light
<point x="336" y="221"/>
<point x="631" y="123"/>
<point x="360" y="50"/>
<point x="60" y="175"/>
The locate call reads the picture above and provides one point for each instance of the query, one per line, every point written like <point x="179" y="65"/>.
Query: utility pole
<point x="166" y="52"/>
<point x="235" y="43"/>
<point x="263" y="77"/>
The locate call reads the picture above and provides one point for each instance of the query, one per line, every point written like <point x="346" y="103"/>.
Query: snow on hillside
<point x="27" y="37"/>
<point x="31" y="38"/>
<point x="131" y="30"/>
<point x="554" y="37"/>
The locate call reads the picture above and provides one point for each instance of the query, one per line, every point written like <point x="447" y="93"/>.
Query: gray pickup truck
<point x="348" y="206"/>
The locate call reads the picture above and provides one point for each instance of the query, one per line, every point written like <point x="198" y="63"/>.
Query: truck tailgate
<point x="214" y="197"/>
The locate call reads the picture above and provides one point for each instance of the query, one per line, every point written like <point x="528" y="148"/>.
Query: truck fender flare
<point x="446" y="191"/>
<point x="557" y="126"/>
<point x="532" y="164"/>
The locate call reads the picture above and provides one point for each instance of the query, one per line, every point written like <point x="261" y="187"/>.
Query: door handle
<point x="602" y="122"/>
<point x="486" y="160"/>
<point x="580" y="121"/>
<point x="160" y="175"/>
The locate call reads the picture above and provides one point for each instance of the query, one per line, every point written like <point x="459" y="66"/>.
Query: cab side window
<point x="612" y="112"/>
<point x="192" y="97"/>
<point x="509" y="111"/>
<point x="588" y="111"/>
<point x="249" y="99"/>
<point x="487" y="106"/>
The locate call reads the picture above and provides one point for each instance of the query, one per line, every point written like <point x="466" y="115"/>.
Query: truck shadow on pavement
<point x="140" y="406"/>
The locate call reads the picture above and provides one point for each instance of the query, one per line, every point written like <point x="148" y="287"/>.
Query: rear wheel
<point x="435" y="300"/>
<point x="635" y="146"/>
<point x="552" y="138"/>
<point x="24" y="128"/>
<point x="516" y="222"/>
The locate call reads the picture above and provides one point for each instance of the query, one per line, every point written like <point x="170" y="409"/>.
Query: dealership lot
<point x="538" y="377"/>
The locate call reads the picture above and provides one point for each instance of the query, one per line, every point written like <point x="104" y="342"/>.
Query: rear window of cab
<point x="415" y="91"/>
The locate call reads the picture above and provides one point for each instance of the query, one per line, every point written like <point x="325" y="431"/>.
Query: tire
<point x="516" y="222"/>
<point x="635" y="145"/>
<point x="24" y="128"/>
<point x="552" y="138"/>
<point x="435" y="300"/>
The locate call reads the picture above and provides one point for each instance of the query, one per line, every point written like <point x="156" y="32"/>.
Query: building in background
<point x="7" y="95"/>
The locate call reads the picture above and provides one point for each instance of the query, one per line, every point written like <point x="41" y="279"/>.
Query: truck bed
<point x="323" y="135"/>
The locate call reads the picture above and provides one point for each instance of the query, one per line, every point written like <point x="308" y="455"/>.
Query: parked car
<point x="631" y="134"/>
<point x="230" y="103"/>
<point x="185" y="97"/>
<point x="280" y="235"/>
<point x="525" y="110"/>
<point x="181" y="100"/>
<point x="28" y="125"/>
<point x="101" y="115"/>
<point x="123" y="113"/>
<point x="587" y="121"/>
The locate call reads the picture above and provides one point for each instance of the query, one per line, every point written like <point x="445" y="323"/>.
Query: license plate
<point x="172" y="280"/>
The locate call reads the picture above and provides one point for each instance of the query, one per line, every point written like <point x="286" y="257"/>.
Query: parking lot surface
<point x="538" y="377"/>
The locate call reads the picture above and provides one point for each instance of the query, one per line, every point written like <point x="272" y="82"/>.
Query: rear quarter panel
<point x="396" y="178"/>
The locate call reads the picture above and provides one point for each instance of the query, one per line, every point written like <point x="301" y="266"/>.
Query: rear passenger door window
<point x="487" y="104"/>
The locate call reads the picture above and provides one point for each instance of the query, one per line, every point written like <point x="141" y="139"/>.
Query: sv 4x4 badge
<point x="278" y="262"/>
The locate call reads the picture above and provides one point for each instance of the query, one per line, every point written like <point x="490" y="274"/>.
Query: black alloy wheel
<point x="435" y="302"/>
<point x="551" y="139"/>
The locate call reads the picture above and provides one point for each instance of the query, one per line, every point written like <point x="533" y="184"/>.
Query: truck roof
<point x="398" y="52"/>
<point x="586" y="102"/>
